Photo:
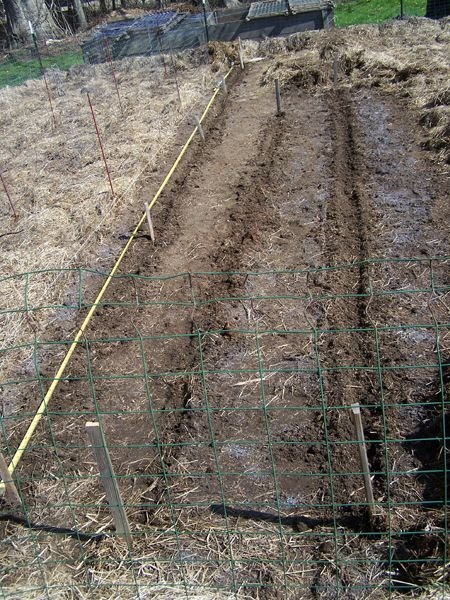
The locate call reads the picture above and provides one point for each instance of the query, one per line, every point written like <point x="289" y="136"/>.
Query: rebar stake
<point x="99" y="138"/>
<point x="5" y="187"/>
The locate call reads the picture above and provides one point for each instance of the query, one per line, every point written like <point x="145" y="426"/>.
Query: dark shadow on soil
<point x="429" y="443"/>
<point x="358" y="522"/>
<point x="418" y="557"/>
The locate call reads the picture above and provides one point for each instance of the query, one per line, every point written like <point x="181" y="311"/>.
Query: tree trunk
<point x="16" y="22"/>
<point x="19" y="12"/>
<point x="41" y="18"/>
<point x="436" y="9"/>
<point x="81" y="17"/>
<point x="103" y="7"/>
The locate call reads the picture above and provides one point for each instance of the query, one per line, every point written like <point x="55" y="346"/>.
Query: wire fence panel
<point x="227" y="405"/>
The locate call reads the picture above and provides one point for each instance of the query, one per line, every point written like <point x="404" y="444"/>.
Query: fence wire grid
<point x="226" y="404"/>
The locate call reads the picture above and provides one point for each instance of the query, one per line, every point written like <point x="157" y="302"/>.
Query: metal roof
<point x="270" y="8"/>
<point x="299" y="6"/>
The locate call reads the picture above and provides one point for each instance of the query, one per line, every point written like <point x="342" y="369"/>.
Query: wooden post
<point x="109" y="481"/>
<point x="241" y="56"/>
<point x="12" y="495"/>
<point x="150" y="223"/>
<point x="223" y="83"/>
<point x="278" y="96"/>
<point x="200" y="128"/>
<point x="363" y="455"/>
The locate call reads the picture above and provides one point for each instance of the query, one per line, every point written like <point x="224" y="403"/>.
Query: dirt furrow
<point x="347" y="241"/>
<point x="201" y="222"/>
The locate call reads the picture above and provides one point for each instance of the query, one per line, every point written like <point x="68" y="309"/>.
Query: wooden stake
<point x="199" y="127"/>
<point x="223" y="83"/>
<point x="278" y="96"/>
<point x="12" y="495"/>
<point x="241" y="56"/>
<point x="363" y="455"/>
<point x="150" y="223"/>
<point x="109" y="481"/>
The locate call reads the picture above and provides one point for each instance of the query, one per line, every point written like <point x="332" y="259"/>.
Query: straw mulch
<point x="66" y="215"/>
<point x="406" y="58"/>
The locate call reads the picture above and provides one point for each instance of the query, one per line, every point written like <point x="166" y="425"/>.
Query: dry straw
<point x="66" y="215"/>
<point x="405" y="58"/>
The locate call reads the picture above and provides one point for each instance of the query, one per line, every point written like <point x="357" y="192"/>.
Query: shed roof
<point x="269" y="8"/>
<point x="278" y="8"/>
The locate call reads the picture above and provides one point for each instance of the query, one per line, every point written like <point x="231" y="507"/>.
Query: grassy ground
<point x="17" y="68"/>
<point x="356" y="12"/>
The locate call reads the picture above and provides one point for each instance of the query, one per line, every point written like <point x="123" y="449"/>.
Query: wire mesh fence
<point x="229" y="405"/>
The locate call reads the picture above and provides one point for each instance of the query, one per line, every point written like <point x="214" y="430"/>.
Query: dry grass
<point x="409" y="59"/>
<point x="176" y="554"/>
<point x="66" y="215"/>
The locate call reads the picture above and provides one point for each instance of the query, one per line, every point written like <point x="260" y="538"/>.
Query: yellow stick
<point x="59" y="374"/>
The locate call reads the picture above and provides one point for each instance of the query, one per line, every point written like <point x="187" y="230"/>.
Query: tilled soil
<point x="231" y="418"/>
